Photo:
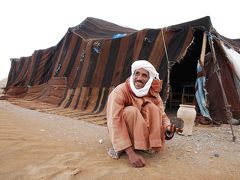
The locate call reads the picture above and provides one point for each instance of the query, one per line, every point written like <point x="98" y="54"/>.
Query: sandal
<point x="114" y="154"/>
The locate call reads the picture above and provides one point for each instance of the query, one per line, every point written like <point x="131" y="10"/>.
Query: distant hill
<point x="3" y="83"/>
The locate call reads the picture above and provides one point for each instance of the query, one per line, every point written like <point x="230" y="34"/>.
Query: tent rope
<point x="168" y="78"/>
<point x="165" y="48"/>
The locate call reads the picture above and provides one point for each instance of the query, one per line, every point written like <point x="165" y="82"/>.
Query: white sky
<point x="28" y="25"/>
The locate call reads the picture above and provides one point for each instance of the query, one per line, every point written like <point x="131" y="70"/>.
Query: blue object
<point x="116" y="36"/>
<point x="201" y="94"/>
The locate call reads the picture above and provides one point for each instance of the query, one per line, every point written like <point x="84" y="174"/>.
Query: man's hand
<point x="135" y="159"/>
<point x="171" y="128"/>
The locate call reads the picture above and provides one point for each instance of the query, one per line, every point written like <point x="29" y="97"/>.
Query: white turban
<point x="153" y="74"/>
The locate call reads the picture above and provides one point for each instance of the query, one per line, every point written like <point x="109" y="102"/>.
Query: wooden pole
<point x="217" y="71"/>
<point x="203" y="49"/>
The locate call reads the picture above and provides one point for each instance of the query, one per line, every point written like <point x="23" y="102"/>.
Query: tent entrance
<point x="183" y="75"/>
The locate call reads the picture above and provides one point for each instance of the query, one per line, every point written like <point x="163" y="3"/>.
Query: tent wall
<point x="215" y="97"/>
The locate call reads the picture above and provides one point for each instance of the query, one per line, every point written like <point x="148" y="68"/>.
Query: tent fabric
<point x="95" y="56"/>
<point x="234" y="58"/>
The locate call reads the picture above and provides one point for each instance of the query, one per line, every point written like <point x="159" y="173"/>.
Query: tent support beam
<point x="217" y="71"/>
<point x="203" y="49"/>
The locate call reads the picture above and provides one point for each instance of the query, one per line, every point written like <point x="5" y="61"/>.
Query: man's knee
<point x="133" y="117"/>
<point x="131" y="112"/>
<point x="130" y="109"/>
<point x="150" y="107"/>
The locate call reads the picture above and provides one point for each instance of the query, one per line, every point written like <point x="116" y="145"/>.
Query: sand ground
<point x="35" y="145"/>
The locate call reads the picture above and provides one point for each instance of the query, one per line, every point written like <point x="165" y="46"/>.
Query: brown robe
<point x="134" y="121"/>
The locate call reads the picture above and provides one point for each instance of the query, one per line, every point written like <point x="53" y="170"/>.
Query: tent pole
<point x="203" y="49"/>
<point x="217" y="71"/>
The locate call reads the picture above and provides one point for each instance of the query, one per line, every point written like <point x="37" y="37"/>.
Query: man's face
<point x="140" y="78"/>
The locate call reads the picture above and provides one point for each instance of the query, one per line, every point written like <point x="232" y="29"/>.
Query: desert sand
<point x="36" y="145"/>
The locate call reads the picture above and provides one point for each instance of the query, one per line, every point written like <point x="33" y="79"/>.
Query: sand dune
<point x="35" y="145"/>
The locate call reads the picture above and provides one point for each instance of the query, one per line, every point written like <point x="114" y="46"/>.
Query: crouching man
<point x="135" y="115"/>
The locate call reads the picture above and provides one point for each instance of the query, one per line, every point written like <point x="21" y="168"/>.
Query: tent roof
<point x="93" y="28"/>
<point x="203" y="23"/>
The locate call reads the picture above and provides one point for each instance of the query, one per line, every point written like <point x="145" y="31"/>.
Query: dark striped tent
<point x="95" y="56"/>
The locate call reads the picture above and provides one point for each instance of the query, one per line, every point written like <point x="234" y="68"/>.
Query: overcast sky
<point x="28" y="25"/>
